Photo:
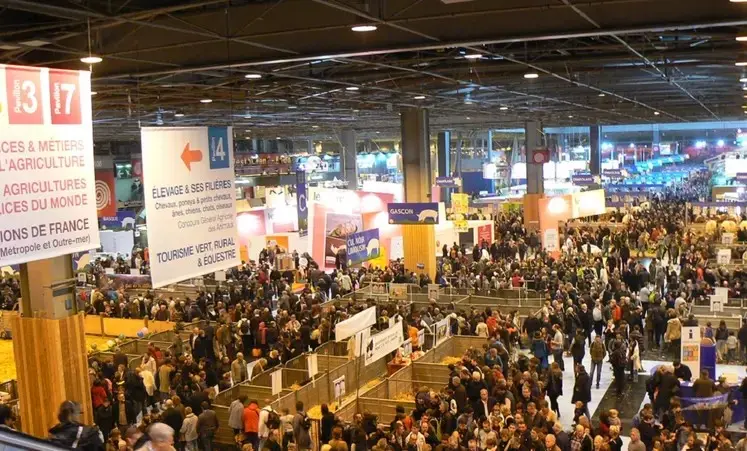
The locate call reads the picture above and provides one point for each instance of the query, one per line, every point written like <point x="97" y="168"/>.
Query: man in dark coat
<point x="582" y="388"/>
<point x="668" y="386"/>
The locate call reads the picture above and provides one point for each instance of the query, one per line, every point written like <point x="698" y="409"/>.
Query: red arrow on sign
<point x="191" y="156"/>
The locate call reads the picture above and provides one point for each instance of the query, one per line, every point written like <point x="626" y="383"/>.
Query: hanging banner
<point x="727" y="238"/>
<point x="363" y="246"/>
<point x="723" y="257"/>
<point x="690" y="350"/>
<point x="719" y="299"/>
<point x="313" y="364"/>
<point x="301" y="208"/>
<point x="47" y="194"/>
<point x="106" y="197"/>
<point x="433" y="289"/>
<point x="356" y="323"/>
<point x="583" y="179"/>
<point x="276" y="377"/>
<point x="409" y="213"/>
<point x="383" y="343"/>
<point x="192" y="205"/>
<point x="460" y="203"/>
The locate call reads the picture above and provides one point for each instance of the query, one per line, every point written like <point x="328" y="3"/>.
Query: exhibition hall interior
<point x="407" y="225"/>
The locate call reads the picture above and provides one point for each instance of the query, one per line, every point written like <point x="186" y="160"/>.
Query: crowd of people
<point x="613" y="293"/>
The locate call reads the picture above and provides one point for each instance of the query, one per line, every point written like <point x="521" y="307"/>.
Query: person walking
<point x="598" y="352"/>
<point x="301" y="428"/>
<point x="555" y="387"/>
<point x="582" y="389"/>
<point x="618" y="359"/>
<point x="557" y="346"/>
<point x="207" y="426"/>
<point x="251" y="423"/>
<point x="70" y="432"/>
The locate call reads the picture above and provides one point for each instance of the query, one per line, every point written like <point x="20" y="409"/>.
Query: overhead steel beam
<point x="471" y="43"/>
<point x="81" y="14"/>
<point x="641" y="56"/>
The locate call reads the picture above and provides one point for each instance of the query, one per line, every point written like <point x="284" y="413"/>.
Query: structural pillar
<point x="348" y="160"/>
<point x="595" y="150"/>
<point x="535" y="175"/>
<point x="49" y="345"/>
<point x="490" y="157"/>
<point x="419" y="241"/>
<point x="444" y="161"/>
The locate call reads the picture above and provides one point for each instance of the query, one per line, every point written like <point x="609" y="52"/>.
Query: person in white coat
<point x="189" y="430"/>
<point x="149" y="363"/>
<point x="634" y="354"/>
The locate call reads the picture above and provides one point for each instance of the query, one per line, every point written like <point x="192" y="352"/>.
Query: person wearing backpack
<point x="268" y="420"/>
<point x="71" y="433"/>
<point x="301" y="428"/>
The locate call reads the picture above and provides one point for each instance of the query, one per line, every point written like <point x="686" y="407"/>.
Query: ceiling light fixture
<point x="314" y="126"/>
<point x="741" y="63"/>
<point x="570" y="116"/>
<point x="601" y="94"/>
<point x="503" y="108"/>
<point x="468" y="118"/>
<point x="742" y="38"/>
<point x="364" y="28"/>
<point x="93" y="93"/>
<point x="253" y="76"/>
<point x="656" y="113"/>
<point x="206" y="101"/>
<point x="292" y="107"/>
<point x="738" y="1"/>
<point x="178" y="114"/>
<point x="419" y="97"/>
<point x="473" y="56"/>
<point x="530" y="75"/>
<point x="352" y="88"/>
<point x="91" y="59"/>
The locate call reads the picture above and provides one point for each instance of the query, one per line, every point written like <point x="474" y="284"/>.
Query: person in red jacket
<point x="251" y="424"/>
<point x="98" y="393"/>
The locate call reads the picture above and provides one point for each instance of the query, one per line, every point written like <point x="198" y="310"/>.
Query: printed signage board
<point x="192" y="205"/>
<point x="411" y="213"/>
<point x="363" y="246"/>
<point x="47" y="170"/>
<point x="583" y="179"/>
<point x="383" y="343"/>
<point x="448" y="182"/>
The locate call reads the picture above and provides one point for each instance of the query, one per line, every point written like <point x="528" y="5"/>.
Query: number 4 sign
<point x="220" y="154"/>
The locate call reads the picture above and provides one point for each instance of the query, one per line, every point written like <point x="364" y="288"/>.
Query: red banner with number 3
<point x="23" y="87"/>
<point x="64" y="97"/>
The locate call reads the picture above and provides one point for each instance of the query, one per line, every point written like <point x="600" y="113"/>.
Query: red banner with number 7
<point x="64" y="97"/>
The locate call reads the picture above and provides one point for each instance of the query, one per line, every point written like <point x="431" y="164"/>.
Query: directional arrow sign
<point x="191" y="156"/>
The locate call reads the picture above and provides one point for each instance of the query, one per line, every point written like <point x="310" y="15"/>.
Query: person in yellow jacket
<point x="673" y="335"/>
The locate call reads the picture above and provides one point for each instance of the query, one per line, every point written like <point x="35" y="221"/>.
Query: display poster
<point x="484" y="234"/>
<point x="379" y="288"/>
<point x="363" y="246"/>
<point x="313" y="364"/>
<point x="47" y="181"/>
<point x="339" y="387"/>
<point x="690" y="350"/>
<point x="719" y="299"/>
<point x="356" y="323"/>
<point x="106" y="197"/>
<point x="460" y="206"/>
<point x="727" y="238"/>
<point x="398" y="291"/>
<point x="442" y="331"/>
<point x="407" y="348"/>
<point x="550" y="240"/>
<point x="723" y="257"/>
<point x="421" y="338"/>
<point x="448" y="182"/>
<point x="412" y="213"/>
<point x="383" y="343"/>
<point x="302" y="208"/>
<point x="338" y="227"/>
<point x="220" y="276"/>
<point x="192" y="205"/>
<point x="122" y="220"/>
<point x="433" y="289"/>
<point x="276" y="376"/>
<point x="588" y="203"/>
<point x="613" y="173"/>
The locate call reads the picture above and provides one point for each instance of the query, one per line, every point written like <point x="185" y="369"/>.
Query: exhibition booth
<point x="553" y="210"/>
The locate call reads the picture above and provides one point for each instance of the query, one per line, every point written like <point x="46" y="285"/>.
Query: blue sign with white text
<point x="220" y="152"/>
<point x="363" y="246"/>
<point x="447" y="182"/>
<point x="123" y="220"/>
<point x="410" y="213"/>
<point x="582" y="179"/>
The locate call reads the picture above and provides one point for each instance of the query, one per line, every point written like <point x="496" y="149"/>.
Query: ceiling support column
<point x="419" y="241"/>
<point x="349" y="163"/>
<point x="535" y="175"/>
